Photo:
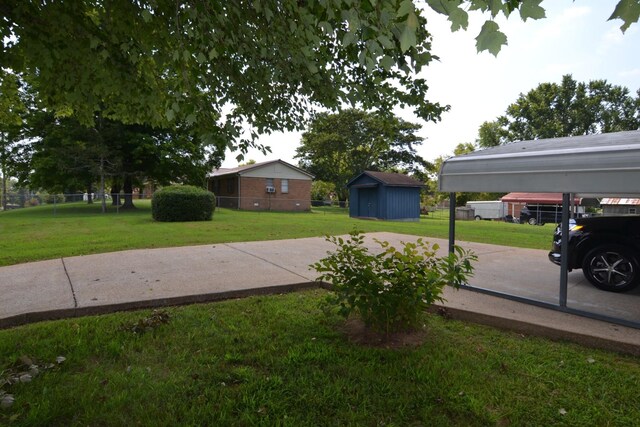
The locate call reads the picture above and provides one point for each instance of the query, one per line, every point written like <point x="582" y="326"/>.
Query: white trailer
<point x="494" y="209"/>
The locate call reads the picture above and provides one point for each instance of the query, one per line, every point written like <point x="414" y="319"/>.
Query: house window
<point x="284" y="185"/>
<point x="231" y="185"/>
<point x="632" y="211"/>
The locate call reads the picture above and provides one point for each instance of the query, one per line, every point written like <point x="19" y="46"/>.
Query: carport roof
<point x="605" y="164"/>
<point x="542" y="198"/>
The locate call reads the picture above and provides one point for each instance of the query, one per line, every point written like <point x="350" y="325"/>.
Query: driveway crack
<point x="267" y="261"/>
<point x="73" y="292"/>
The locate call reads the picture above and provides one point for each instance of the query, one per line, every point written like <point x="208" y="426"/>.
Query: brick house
<point x="273" y="185"/>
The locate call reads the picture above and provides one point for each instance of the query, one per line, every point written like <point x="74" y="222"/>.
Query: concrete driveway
<point x="150" y="277"/>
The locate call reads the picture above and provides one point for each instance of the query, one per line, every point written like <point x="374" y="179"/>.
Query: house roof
<point x="240" y="170"/>
<point x="390" y="179"/>
<point x="619" y="201"/>
<point x="603" y="164"/>
<point x="543" y="198"/>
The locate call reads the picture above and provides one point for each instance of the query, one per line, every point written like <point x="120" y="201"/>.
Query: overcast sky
<point x="575" y="38"/>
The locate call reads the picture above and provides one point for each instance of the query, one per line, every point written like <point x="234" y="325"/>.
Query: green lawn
<point x="78" y="229"/>
<point x="280" y="360"/>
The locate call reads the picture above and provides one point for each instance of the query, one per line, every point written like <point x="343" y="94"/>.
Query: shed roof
<point x="606" y="164"/>
<point x="389" y="179"/>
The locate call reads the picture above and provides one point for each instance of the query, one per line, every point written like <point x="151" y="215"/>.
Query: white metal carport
<point x="585" y="166"/>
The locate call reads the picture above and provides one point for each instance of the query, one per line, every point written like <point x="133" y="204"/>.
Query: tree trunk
<point x="115" y="194"/>
<point x="4" y="187"/>
<point x="3" y="171"/>
<point x="342" y="198"/>
<point x="89" y="195"/>
<point x="128" y="193"/>
<point x="103" y="202"/>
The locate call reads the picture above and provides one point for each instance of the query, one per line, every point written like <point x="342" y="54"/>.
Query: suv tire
<point x="611" y="268"/>
<point x="532" y="221"/>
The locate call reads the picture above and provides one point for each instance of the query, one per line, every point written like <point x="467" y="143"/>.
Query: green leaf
<point x="628" y="11"/>
<point x="268" y="14"/>
<point x="408" y="34"/>
<point x="439" y="6"/>
<point x="349" y="38"/>
<point x="490" y="38"/>
<point x="479" y="5"/>
<point x="326" y="27"/>
<point x="407" y="38"/>
<point x="146" y="16"/>
<point x="362" y="57"/>
<point x="370" y="64"/>
<point x="495" y="6"/>
<point x="412" y="21"/>
<point x="459" y="19"/>
<point x="406" y="7"/>
<point x="387" y="62"/>
<point x="312" y="68"/>
<point x="531" y="9"/>
<point x="386" y="42"/>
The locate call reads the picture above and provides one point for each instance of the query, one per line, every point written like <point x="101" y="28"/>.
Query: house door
<point x="367" y="202"/>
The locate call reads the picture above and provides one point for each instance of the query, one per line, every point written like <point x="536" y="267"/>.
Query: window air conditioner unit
<point x="271" y="189"/>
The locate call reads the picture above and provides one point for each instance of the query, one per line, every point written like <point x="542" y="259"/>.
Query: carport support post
<point x="452" y="221"/>
<point x="564" y="251"/>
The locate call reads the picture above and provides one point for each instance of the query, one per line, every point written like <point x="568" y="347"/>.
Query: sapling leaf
<point x="490" y="38"/>
<point x="628" y="11"/>
<point x="531" y="9"/>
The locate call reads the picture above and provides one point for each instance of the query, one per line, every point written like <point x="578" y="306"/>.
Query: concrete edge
<point x="533" y="329"/>
<point x="449" y="312"/>
<point x="67" y="313"/>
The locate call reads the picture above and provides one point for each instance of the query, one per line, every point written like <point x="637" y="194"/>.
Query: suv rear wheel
<point x="611" y="268"/>
<point x="532" y="221"/>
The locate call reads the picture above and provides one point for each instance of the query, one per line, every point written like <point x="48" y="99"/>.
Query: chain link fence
<point x="114" y="202"/>
<point x="27" y="199"/>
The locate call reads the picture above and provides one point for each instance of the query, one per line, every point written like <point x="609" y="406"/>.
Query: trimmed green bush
<point x="390" y="290"/>
<point x="182" y="203"/>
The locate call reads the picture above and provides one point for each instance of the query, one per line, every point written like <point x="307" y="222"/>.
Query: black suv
<point x="540" y="214"/>
<point x="606" y="248"/>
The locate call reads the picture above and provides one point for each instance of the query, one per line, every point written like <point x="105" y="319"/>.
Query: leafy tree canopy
<point x="337" y="147"/>
<point x="567" y="109"/>
<point x="64" y="155"/>
<point x="223" y="65"/>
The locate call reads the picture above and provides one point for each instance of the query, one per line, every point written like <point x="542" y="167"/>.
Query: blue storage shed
<point x="383" y="195"/>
